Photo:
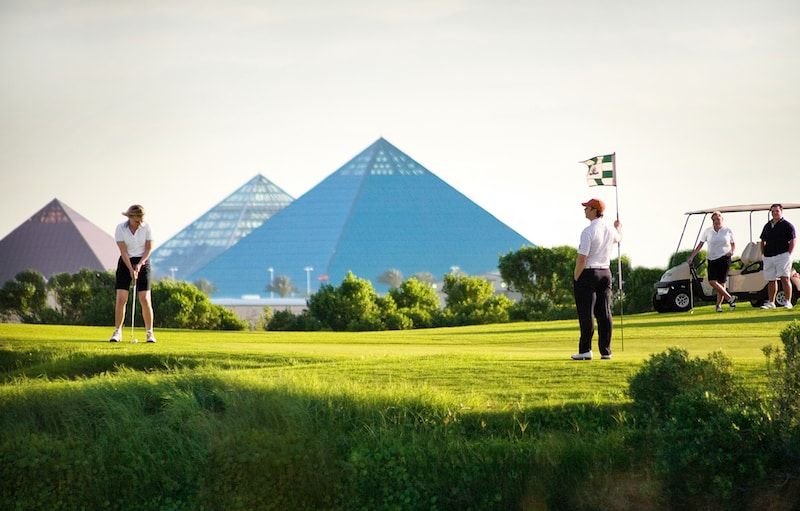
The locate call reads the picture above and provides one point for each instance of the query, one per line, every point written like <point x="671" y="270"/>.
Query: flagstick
<point x="619" y="260"/>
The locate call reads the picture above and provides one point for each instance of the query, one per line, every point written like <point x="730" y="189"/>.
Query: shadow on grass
<point x="56" y="363"/>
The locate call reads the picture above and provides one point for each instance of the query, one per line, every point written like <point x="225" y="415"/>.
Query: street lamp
<point x="271" y="271"/>
<point x="308" y="270"/>
<point x="172" y="270"/>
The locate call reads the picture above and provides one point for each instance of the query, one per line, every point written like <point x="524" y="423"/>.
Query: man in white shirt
<point x="135" y="242"/>
<point x="592" y="284"/>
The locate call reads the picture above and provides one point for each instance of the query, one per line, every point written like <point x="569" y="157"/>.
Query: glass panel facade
<point x="220" y="228"/>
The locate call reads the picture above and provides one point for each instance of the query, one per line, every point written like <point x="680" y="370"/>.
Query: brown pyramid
<point x="55" y="240"/>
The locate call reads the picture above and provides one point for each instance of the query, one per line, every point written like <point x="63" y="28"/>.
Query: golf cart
<point x="681" y="285"/>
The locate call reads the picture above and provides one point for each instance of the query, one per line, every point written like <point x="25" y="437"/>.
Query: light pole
<point x="172" y="270"/>
<point x="271" y="271"/>
<point x="308" y="270"/>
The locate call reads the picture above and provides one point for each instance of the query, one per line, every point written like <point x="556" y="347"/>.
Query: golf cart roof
<point x="743" y="207"/>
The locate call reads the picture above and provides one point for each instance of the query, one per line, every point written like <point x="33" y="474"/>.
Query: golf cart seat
<point x="751" y="258"/>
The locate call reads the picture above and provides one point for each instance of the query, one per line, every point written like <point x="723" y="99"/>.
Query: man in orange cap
<point x="592" y="284"/>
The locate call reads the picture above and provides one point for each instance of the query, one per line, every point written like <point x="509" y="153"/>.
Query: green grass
<point x="484" y="417"/>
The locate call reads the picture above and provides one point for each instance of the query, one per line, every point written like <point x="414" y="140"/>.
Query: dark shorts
<point x="124" y="275"/>
<point x="718" y="269"/>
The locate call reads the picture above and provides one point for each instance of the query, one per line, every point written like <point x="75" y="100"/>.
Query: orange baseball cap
<point x="597" y="204"/>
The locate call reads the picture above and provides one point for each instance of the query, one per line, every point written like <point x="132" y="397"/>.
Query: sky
<point x="175" y="104"/>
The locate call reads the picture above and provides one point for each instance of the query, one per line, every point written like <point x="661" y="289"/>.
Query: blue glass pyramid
<point x="219" y="228"/>
<point x="380" y="210"/>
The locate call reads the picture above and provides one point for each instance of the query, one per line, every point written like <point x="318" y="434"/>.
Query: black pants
<point x="593" y="297"/>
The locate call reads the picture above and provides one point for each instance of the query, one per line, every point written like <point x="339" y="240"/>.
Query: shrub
<point x="282" y="321"/>
<point x="178" y="304"/>
<point x="352" y="306"/>
<point x="84" y="298"/>
<point x="286" y="321"/>
<point x="664" y="376"/>
<point x="712" y="443"/>
<point x="783" y="376"/>
<point x="543" y="309"/>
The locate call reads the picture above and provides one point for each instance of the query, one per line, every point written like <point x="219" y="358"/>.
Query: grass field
<point x="268" y="420"/>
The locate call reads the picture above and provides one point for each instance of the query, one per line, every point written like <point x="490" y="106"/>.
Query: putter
<point x="134" y="340"/>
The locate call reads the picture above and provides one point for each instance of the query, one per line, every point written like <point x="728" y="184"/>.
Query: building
<point x="219" y="229"/>
<point x="56" y="239"/>
<point x="381" y="210"/>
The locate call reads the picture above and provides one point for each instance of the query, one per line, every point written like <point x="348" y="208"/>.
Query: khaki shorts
<point x="777" y="266"/>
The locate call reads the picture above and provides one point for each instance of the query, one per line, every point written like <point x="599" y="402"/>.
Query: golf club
<point x="134" y="340"/>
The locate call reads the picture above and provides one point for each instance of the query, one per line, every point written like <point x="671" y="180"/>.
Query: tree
<point x="471" y="300"/>
<point x="24" y="296"/>
<point x="540" y="273"/>
<point x="282" y="285"/>
<point x="391" y="277"/>
<point x="418" y="301"/>
<point x="351" y="306"/>
<point x="415" y="294"/>
<point x="639" y="289"/>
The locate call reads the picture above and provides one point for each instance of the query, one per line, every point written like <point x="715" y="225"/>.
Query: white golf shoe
<point x="116" y="336"/>
<point x="582" y="356"/>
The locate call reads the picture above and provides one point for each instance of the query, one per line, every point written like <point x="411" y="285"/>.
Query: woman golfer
<point x="135" y="242"/>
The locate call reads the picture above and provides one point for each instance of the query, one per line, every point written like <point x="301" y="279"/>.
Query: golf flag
<point x="602" y="171"/>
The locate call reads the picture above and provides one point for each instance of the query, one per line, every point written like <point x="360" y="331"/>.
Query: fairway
<point x="504" y="365"/>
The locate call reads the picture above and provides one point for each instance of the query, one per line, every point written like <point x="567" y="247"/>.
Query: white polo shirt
<point x="134" y="242"/>
<point x="719" y="242"/>
<point x="597" y="240"/>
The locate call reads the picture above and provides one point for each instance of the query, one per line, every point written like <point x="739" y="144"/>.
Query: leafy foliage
<point x="25" y="296"/>
<point x="783" y="372"/>
<point x="84" y="298"/>
<point x="541" y="273"/>
<point x="351" y="306"/>
<point x="639" y="288"/>
<point x="178" y="304"/>
<point x="712" y="442"/>
<point x="418" y="301"/>
<point x="471" y="301"/>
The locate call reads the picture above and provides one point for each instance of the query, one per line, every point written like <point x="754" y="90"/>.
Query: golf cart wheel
<point x="780" y="298"/>
<point x="681" y="301"/>
<point x="756" y="303"/>
<point x="660" y="305"/>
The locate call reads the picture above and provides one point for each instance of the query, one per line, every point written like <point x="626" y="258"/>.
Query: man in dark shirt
<point x="777" y="244"/>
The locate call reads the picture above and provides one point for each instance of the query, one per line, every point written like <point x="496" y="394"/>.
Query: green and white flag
<point x="602" y="171"/>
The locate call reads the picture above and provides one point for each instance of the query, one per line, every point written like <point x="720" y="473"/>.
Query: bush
<point x="712" y="442"/>
<point x="783" y="376"/>
<point x="84" y="298"/>
<point x="352" y="306"/>
<point x="286" y="321"/>
<point x="665" y="376"/>
<point x="532" y="309"/>
<point x="178" y="304"/>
